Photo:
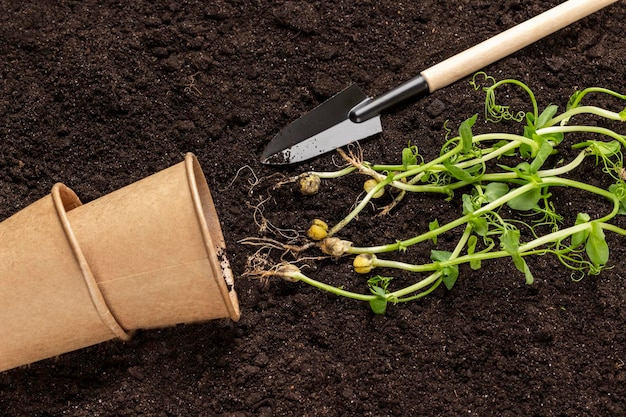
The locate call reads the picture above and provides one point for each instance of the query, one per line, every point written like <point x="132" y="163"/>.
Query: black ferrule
<point x="412" y="89"/>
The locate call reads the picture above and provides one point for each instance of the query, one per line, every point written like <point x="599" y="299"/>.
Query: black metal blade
<point x="332" y="112"/>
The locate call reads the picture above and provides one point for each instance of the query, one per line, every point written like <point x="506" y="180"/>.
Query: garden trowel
<point x="350" y="115"/>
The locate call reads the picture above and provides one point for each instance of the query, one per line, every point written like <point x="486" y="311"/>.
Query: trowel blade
<point x="321" y="130"/>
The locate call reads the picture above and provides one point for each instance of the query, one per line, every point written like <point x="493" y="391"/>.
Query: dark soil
<point x="98" y="94"/>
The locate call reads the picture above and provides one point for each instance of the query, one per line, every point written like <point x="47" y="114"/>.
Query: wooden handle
<point x="509" y="41"/>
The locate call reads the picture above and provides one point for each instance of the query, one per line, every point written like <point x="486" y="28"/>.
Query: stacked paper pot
<point x="148" y="255"/>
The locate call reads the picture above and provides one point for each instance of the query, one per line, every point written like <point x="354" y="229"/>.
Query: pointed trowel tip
<point x="270" y="157"/>
<point x="264" y="158"/>
<point x="269" y="160"/>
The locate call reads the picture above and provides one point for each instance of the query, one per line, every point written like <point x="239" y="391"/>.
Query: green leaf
<point x="525" y="151"/>
<point x="530" y="121"/>
<point x="409" y="156"/>
<point x="579" y="238"/>
<point x="465" y="130"/>
<point x="555" y="138"/>
<point x="468" y="204"/>
<point x="522" y="170"/>
<point x="526" y="201"/>
<point x="495" y="190"/>
<point x="379" y="291"/>
<point x="510" y="243"/>
<point x="509" y="240"/>
<point x="440" y="255"/>
<point x="546" y="116"/>
<point x="597" y="249"/>
<point x="458" y="173"/>
<point x="522" y="266"/>
<point x="378" y="305"/>
<point x="574" y="100"/>
<point x="619" y="190"/>
<point x="378" y="287"/>
<point x="471" y="249"/>
<point x="433" y="226"/>
<point x="480" y="225"/>
<point x="599" y="148"/>
<point x="545" y="150"/>
<point x="449" y="274"/>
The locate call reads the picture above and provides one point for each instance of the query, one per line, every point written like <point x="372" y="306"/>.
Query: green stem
<point x="425" y="167"/>
<point x="358" y="208"/>
<point x="529" y="248"/>
<point x="613" y="228"/>
<point x="516" y="140"/>
<point x="432" y="288"/>
<point x="584" y="129"/>
<point x="437" y="189"/>
<point x="385" y="263"/>
<point x="403" y="244"/>
<point x="363" y="203"/>
<point x="579" y="96"/>
<point x="333" y="290"/>
<point x="607" y="114"/>
<point x="548" y="181"/>
<point x="334" y="174"/>
<point x="507" y="176"/>
<point x="422" y="168"/>
<point x="431" y="279"/>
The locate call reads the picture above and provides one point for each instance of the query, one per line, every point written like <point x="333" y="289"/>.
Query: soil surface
<point x="99" y="94"/>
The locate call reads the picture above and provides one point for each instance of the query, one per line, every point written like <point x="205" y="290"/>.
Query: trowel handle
<point x="481" y="55"/>
<point x="509" y="41"/>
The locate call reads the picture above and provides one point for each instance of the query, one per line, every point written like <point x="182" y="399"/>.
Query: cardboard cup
<point x="156" y="250"/>
<point x="148" y="255"/>
<point x="45" y="305"/>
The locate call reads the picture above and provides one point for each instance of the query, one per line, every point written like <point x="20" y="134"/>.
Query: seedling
<point x="503" y="182"/>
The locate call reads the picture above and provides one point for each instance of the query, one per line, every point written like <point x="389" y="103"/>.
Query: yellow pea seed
<point x="364" y="263"/>
<point x="309" y="184"/>
<point x="370" y="184"/>
<point x="335" y="247"/>
<point x="288" y="272"/>
<point x="318" y="230"/>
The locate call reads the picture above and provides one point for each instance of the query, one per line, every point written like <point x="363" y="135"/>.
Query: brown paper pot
<point x="148" y="255"/>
